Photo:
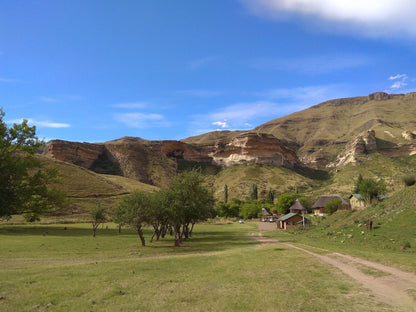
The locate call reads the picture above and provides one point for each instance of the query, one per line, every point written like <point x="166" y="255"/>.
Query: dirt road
<point x="388" y="284"/>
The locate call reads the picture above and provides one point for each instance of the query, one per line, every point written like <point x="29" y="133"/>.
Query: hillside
<point x="322" y="131"/>
<point x="320" y="150"/>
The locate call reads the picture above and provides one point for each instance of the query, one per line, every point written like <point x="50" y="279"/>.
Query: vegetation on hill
<point x="392" y="239"/>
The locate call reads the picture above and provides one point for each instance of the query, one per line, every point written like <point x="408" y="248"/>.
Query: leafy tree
<point x="134" y="210"/>
<point x="190" y="201"/>
<point x="252" y="192"/>
<point x="286" y="200"/>
<point x="332" y="205"/>
<point x="98" y="217"/>
<point x="369" y="188"/>
<point x="23" y="181"/>
<point x="250" y="209"/>
<point x="234" y="206"/>
<point x="159" y="214"/>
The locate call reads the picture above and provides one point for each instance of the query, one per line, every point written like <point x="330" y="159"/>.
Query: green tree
<point x="23" y="180"/>
<point x="225" y="193"/>
<point x="98" y="217"/>
<point x="252" y="192"/>
<point x="369" y="188"/>
<point x="332" y="205"/>
<point x="270" y="196"/>
<point x="286" y="200"/>
<point x="190" y="201"/>
<point x="250" y="209"/>
<point x="134" y="210"/>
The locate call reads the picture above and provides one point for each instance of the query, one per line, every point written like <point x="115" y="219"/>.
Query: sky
<point x="98" y="70"/>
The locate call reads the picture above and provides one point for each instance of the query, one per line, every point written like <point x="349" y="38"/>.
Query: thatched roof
<point x="297" y="206"/>
<point x="321" y="202"/>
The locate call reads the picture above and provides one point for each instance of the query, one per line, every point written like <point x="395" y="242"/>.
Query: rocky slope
<point x="154" y="162"/>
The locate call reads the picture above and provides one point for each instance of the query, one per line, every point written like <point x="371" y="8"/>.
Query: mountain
<point x="320" y="149"/>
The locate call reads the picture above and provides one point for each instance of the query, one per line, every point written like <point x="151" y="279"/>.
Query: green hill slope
<point x="392" y="239"/>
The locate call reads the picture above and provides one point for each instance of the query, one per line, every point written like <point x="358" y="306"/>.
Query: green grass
<point x="46" y="267"/>
<point x="392" y="240"/>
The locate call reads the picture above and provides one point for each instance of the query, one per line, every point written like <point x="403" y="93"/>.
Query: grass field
<point x="45" y="267"/>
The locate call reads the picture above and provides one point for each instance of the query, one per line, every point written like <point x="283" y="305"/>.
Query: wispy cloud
<point x="49" y="99"/>
<point x="200" y="93"/>
<point x="131" y="105"/>
<point x="201" y="62"/>
<point x="8" y="80"/>
<point x="375" y="18"/>
<point x="141" y="120"/>
<point x="40" y="124"/>
<point x="313" y="65"/>
<point x="272" y="103"/>
<point x="399" y="82"/>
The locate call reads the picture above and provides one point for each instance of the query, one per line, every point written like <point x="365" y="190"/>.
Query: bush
<point x="332" y="205"/>
<point x="409" y="180"/>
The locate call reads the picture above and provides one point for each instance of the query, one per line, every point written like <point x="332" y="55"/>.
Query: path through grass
<point x="220" y="269"/>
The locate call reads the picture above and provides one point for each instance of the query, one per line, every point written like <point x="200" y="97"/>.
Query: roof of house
<point x="321" y="202"/>
<point x="297" y="206"/>
<point x="358" y="196"/>
<point x="287" y="216"/>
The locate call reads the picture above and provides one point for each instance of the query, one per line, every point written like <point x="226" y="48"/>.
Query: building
<point x="319" y="206"/>
<point x="291" y="220"/>
<point x="298" y="208"/>
<point x="357" y="201"/>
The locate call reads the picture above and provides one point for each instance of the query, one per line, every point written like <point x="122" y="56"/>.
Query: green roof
<point x="287" y="216"/>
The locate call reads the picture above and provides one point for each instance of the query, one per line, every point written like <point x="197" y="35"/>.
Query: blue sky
<point x="93" y="71"/>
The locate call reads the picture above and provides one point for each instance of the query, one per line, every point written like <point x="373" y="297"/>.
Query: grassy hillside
<point x="86" y="188"/>
<point x="392" y="240"/>
<point x="342" y="119"/>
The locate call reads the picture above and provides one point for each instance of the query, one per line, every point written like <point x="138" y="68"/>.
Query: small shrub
<point x="409" y="180"/>
<point x="407" y="245"/>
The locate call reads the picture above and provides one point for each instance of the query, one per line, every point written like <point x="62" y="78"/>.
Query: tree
<point x="270" y="197"/>
<point x="134" y="210"/>
<point x="225" y="193"/>
<point x="250" y="209"/>
<point x="369" y="188"/>
<point x="252" y="192"/>
<point x="332" y="205"/>
<point x="190" y="201"/>
<point x="23" y="180"/>
<point x="98" y="217"/>
<point x="286" y="200"/>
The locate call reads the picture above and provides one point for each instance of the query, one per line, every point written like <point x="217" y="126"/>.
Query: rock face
<point x="80" y="154"/>
<point x="154" y="162"/>
<point x="363" y="143"/>
<point x="254" y="148"/>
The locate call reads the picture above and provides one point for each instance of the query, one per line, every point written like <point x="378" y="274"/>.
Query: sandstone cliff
<point x="155" y="162"/>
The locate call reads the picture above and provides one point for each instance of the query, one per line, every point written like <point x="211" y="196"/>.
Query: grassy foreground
<point x="47" y="267"/>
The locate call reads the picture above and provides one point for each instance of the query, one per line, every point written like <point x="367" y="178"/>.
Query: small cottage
<point x="357" y="201"/>
<point x="319" y="206"/>
<point x="298" y="208"/>
<point x="291" y="220"/>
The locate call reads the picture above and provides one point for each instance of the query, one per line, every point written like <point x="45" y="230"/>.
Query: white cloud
<point x="41" y="124"/>
<point x="274" y="103"/>
<point x="222" y="124"/>
<point x="400" y="81"/>
<point x="398" y="76"/>
<point x="140" y="120"/>
<point x="131" y="105"/>
<point x="370" y="17"/>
